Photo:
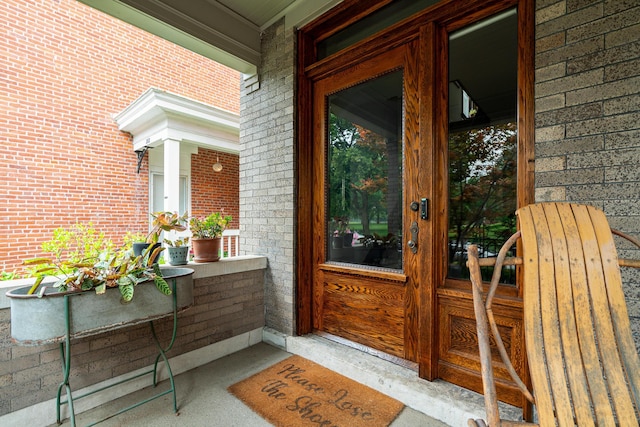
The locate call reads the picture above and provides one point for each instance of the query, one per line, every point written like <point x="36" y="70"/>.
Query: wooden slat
<point x="606" y="291"/>
<point x="532" y="318"/>
<point x="551" y="344"/>
<point x="603" y="327"/>
<point x="561" y="225"/>
<point x="620" y="316"/>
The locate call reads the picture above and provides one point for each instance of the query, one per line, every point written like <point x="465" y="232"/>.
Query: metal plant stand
<point x="65" y="354"/>
<point x="58" y="317"/>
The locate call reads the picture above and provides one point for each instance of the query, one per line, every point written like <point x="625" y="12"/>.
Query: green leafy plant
<point x="162" y="221"/>
<point x="183" y="241"/>
<point x="8" y="275"/>
<point x="76" y="243"/>
<point x="166" y="221"/>
<point x="81" y="267"/>
<point x="130" y="238"/>
<point x="210" y="227"/>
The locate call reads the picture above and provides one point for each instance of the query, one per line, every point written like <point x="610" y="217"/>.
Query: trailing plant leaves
<point x="92" y="263"/>
<point x="35" y="285"/>
<point x="127" y="292"/>
<point x="101" y="288"/>
<point x="61" y="285"/>
<point x="36" y="261"/>
<point x="154" y="256"/>
<point x="87" y="285"/>
<point x="161" y="284"/>
<point x="131" y="278"/>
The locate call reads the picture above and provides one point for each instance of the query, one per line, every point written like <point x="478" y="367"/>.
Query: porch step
<point x="443" y="401"/>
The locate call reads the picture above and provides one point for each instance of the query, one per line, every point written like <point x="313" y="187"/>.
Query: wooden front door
<point x="365" y="279"/>
<point x="418" y="145"/>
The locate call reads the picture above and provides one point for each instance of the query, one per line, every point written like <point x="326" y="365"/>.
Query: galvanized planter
<point x="36" y="320"/>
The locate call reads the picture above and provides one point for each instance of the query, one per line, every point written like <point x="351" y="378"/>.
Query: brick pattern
<point x="267" y="170"/>
<point x="588" y="114"/>
<point x="224" y="306"/>
<point x="67" y="69"/>
<point x="215" y="191"/>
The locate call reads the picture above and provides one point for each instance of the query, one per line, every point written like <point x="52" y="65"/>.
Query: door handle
<point x="424" y="209"/>
<point x="413" y="243"/>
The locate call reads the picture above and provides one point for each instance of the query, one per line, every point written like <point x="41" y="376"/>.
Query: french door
<point x="416" y="149"/>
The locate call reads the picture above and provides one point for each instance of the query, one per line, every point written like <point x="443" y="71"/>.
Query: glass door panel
<point x="482" y="140"/>
<point x="364" y="173"/>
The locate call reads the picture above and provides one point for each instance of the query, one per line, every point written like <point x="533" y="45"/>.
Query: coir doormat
<point x="298" y="392"/>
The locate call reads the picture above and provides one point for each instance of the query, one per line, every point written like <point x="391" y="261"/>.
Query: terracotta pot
<point x="206" y="250"/>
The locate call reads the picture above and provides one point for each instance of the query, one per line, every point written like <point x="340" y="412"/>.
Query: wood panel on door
<point x="458" y="345"/>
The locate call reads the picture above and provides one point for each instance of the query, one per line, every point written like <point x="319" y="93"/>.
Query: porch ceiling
<point x="227" y="31"/>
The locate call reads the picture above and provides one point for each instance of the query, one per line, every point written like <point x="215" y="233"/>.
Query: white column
<point x="171" y="175"/>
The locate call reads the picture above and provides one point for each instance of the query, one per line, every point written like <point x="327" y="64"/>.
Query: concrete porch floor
<point x="203" y="399"/>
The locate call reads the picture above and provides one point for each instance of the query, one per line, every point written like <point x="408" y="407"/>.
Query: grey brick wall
<point x="588" y="114"/>
<point x="224" y="306"/>
<point x="587" y="134"/>
<point x="267" y="186"/>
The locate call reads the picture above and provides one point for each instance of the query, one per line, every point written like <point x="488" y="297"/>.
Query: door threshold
<point x="443" y="401"/>
<point x="368" y="350"/>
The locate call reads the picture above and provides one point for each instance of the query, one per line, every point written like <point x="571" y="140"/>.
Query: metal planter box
<point x="36" y="320"/>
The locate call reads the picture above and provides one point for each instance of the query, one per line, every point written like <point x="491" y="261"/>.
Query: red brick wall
<point x="215" y="191"/>
<point x="67" y="69"/>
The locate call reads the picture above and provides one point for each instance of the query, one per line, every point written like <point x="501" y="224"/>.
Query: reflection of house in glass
<point x="461" y="106"/>
<point x="482" y="137"/>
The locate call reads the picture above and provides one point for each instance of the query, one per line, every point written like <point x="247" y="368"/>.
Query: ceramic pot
<point x="140" y="247"/>
<point x="177" y="255"/>
<point x="206" y="250"/>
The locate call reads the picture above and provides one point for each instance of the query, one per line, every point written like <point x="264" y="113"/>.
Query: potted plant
<point x="80" y="261"/>
<point x="342" y="236"/>
<point x="177" y="250"/>
<point x="162" y="221"/>
<point x="207" y="235"/>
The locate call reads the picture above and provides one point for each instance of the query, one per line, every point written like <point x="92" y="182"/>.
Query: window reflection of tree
<point x="361" y="162"/>
<point x="482" y="191"/>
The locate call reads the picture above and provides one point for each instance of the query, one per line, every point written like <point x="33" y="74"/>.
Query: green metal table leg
<point x="65" y="354"/>
<point x="162" y="351"/>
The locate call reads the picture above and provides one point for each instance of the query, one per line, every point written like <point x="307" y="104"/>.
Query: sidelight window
<point x="482" y="140"/>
